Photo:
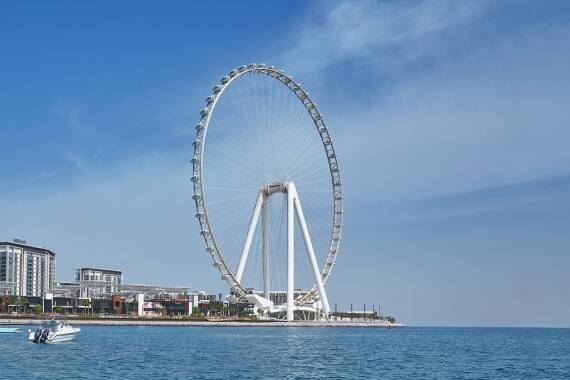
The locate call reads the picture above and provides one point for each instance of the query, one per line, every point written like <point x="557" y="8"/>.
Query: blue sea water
<point x="292" y="353"/>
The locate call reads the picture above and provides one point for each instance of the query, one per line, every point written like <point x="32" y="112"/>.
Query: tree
<point x="133" y="306"/>
<point x="215" y="308"/>
<point x="12" y="301"/>
<point x="25" y="303"/>
<point x="58" y="309"/>
<point x="195" y="311"/>
<point x="18" y="303"/>
<point x="37" y="309"/>
<point x="85" y="303"/>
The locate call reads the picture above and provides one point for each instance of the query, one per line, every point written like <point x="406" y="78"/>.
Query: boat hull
<point x="62" y="333"/>
<point x="58" y="338"/>
<point x="8" y="330"/>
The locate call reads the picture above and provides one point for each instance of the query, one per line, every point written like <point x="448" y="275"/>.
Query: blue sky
<point x="450" y="119"/>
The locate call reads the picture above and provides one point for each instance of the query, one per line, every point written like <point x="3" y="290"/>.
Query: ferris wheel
<point x="263" y="160"/>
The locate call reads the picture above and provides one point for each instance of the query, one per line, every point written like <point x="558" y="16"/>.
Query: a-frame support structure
<point x="293" y="208"/>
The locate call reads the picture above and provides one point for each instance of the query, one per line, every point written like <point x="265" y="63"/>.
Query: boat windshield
<point x="50" y="323"/>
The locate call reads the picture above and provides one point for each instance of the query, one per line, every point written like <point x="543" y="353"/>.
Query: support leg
<point x="310" y="252"/>
<point x="249" y="238"/>
<point x="290" y="254"/>
<point x="264" y="249"/>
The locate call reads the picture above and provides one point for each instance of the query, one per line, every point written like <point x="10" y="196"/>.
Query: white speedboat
<point x="58" y="331"/>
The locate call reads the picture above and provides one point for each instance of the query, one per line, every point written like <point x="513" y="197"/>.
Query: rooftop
<point x="23" y="244"/>
<point x="101" y="270"/>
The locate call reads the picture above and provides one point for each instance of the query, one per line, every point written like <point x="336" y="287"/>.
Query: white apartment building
<point x="25" y="270"/>
<point x="98" y="283"/>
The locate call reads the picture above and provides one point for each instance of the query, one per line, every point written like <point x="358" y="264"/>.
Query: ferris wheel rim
<point x="199" y="195"/>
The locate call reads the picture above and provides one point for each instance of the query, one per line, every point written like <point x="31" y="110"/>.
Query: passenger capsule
<point x="204" y="112"/>
<point x="196" y="142"/>
<point x="224" y="80"/>
<point x="199" y="126"/>
<point x="233" y="73"/>
<point x="217" y="88"/>
<point x="241" y="69"/>
<point x="210" y="99"/>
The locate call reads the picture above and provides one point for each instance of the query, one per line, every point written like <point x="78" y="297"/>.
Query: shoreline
<point x="187" y="323"/>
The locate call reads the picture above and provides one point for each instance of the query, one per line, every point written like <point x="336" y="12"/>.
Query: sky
<point x="450" y="120"/>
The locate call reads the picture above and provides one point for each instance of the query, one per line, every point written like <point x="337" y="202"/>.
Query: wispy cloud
<point x="71" y="116"/>
<point x="402" y="30"/>
<point x="142" y="197"/>
<point x="492" y="199"/>
<point x="81" y="140"/>
<point x="474" y="103"/>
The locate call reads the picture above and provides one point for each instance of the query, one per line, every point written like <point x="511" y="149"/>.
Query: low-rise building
<point x="98" y="283"/>
<point x="153" y="291"/>
<point x="66" y="289"/>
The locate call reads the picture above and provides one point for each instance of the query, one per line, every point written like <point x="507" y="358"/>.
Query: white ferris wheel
<point x="267" y="187"/>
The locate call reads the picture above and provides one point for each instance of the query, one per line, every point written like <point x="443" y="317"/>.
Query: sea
<point x="292" y="353"/>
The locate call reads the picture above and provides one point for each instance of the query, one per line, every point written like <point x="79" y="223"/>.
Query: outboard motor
<point x="37" y="335"/>
<point x="45" y="334"/>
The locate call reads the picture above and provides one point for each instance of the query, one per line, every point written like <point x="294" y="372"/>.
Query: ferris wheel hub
<point x="274" y="188"/>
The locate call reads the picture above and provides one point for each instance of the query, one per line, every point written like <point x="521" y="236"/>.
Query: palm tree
<point x="18" y="303"/>
<point x="85" y="303"/>
<point x="25" y="303"/>
<point x="12" y="301"/>
<point x="133" y="305"/>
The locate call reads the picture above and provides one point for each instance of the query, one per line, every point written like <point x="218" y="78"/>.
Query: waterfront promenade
<point x="209" y="323"/>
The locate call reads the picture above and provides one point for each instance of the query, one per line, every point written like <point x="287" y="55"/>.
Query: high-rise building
<point x="25" y="270"/>
<point x="98" y="283"/>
